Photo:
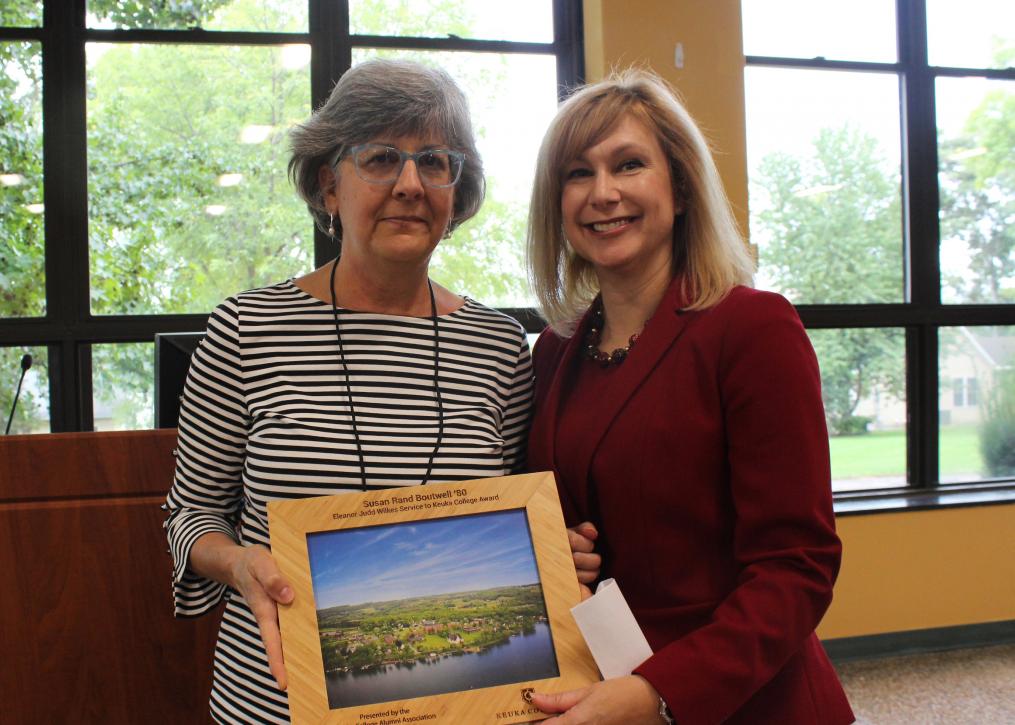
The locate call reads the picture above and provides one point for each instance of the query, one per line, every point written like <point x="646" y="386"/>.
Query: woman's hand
<point x="252" y="572"/>
<point x="582" y="539"/>
<point x="629" y="700"/>
<point x="256" y="576"/>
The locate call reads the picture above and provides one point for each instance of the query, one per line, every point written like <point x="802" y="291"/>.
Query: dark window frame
<point x="923" y="314"/>
<point x="69" y="328"/>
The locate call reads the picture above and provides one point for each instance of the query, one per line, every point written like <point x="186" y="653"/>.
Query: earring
<point x="447" y="232"/>
<point x="331" y="225"/>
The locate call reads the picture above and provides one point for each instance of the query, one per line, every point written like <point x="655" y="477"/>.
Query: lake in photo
<point x="524" y="657"/>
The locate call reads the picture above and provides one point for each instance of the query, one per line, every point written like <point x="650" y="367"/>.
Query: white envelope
<point x="611" y="632"/>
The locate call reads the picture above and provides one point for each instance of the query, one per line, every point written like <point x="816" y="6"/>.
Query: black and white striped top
<point x="265" y="415"/>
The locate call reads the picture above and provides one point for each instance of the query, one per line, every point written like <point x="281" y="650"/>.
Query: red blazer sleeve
<point x="784" y="542"/>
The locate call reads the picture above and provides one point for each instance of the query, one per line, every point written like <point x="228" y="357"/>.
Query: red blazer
<point x="709" y="459"/>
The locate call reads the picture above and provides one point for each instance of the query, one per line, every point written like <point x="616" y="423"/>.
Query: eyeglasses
<point x="379" y="164"/>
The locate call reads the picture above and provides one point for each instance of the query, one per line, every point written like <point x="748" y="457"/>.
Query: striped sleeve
<point x="518" y="411"/>
<point x="207" y="490"/>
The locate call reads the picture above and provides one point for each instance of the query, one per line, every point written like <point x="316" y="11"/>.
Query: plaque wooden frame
<point x="291" y="521"/>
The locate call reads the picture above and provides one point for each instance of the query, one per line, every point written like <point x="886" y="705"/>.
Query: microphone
<point x="26" y="362"/>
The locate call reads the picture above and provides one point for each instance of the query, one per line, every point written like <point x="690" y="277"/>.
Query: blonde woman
<point x="681" y="411"/>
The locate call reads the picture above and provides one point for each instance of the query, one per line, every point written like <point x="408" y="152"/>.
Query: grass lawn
<point x="435" y="643"/>
<point x="884" y="453"/>
<point x="960" y="451"/>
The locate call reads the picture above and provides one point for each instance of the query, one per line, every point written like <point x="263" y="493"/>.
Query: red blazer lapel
<point x="660" y="334"/>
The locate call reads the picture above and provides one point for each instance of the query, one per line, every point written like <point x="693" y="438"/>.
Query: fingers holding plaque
<point x="437" y="604"/>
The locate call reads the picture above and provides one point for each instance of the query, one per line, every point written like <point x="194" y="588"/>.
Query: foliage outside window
<point x="464" y="18"/>
<point x="997" y="434"/>
<point x="838" y="216"/>
<point x="263" y="16"/>
<point x="187" y="188"/>
<point x="22" y="276"/>
<point x="32" y="412"/>
<point x="21" y="13"/>
<point x="976" y="178"/>
<point x="187" y="197"/>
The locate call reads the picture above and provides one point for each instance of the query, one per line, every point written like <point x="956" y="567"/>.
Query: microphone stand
<point x="26" y="362"/>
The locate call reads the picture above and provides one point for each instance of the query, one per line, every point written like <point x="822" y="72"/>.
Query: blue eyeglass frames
<point x="380" y="164"/>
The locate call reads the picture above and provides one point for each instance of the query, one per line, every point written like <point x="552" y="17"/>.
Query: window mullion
<point x="86" y="414"/>
<point x="569" y="44"/>
<point x="920" y="204"/>
<point x="922" y="393"/>
<point x="331" y="56"/>
<point x="920" y="162"/>
<point x="65" y="199"/>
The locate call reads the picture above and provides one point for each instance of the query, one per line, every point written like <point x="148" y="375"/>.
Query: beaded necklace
<point x="595" y="335"/>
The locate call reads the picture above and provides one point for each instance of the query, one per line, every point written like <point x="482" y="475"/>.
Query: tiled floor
<point x="974" y="686"/>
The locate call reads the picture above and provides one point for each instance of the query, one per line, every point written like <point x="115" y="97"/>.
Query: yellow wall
<point x="900" y="571"/>
<point x="620" y="33"/>
<point x="924" y="569"/>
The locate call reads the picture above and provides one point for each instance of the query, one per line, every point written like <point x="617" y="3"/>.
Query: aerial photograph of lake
<point x="429" y="607"/>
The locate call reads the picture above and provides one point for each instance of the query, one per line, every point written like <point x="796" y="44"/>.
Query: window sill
<point x="951" y="496"/>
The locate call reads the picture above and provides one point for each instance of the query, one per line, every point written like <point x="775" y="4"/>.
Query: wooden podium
<point x="87" y="632"/>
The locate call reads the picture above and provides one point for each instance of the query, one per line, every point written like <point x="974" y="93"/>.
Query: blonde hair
<point x="708" y="249"/>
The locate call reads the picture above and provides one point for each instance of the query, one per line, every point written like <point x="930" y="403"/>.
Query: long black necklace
<point x="348" y="385"/>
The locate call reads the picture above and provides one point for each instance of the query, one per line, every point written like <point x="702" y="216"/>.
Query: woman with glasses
<point x="363" y="374"/>
<point x="681" y="411"/>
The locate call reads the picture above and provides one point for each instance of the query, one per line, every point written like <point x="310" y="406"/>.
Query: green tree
<point x="163" y="128"/>
<point x="832" y="223"/>
<point x="23" y="13"/>
<point x="408" y="18"/>
<point x="830" y="231"/>
<point x="159" y="15"/>
<point x="22" y="272"/>
<point x="22" y="290"/>
<point x="159" y="143"/>
<point x="997" y="431"/>
<point x="977" y="187"/>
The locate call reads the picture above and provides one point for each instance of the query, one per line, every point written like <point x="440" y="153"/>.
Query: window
<point x="964" y="393"/>
<point x="882" y="203"/>
<point x="143" y="168"/>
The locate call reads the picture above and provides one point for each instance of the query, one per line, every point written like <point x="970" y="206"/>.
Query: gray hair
<point x="380" y="97"/>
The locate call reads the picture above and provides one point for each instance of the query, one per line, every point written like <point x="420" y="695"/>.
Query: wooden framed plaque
<point x="441" y="604"/>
